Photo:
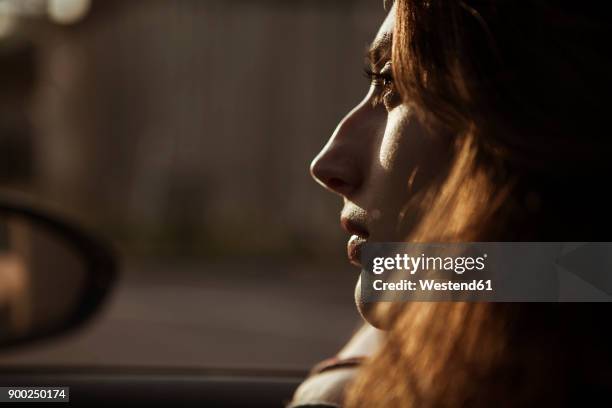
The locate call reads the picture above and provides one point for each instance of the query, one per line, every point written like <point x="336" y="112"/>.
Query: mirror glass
<point x="43" y="278"/>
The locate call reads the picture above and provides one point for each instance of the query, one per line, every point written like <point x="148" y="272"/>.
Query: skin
<point x="379" y="156"/>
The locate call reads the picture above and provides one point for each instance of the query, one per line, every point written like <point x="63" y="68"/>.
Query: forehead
<point x="380" y="50"/>
<point x="386" y="29"/>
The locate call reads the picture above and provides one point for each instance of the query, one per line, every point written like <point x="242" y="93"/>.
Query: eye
<point x="385" y="93"/>
<point x="378" y="78"/>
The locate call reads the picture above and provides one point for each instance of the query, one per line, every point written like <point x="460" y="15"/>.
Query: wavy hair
<point x="523" y="88"/>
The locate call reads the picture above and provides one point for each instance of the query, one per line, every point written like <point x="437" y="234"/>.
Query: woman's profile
<point x="484" y="121"/>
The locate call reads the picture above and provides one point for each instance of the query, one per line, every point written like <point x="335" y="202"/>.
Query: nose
<point x="340" y="165"/>
<point x="333" y="174"/>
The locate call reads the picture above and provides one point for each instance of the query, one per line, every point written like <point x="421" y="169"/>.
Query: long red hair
<point x="523" y="90"/>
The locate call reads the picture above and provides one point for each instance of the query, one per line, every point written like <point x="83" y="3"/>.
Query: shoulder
<point x="329" y="379"/>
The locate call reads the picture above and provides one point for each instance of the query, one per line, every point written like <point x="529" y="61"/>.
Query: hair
<point x="523" y="88"/>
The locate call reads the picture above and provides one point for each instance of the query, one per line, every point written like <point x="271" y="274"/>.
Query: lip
<point x="353" y="249"/>
<point x="359" y="236"/>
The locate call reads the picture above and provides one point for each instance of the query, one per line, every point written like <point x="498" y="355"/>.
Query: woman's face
<point x="378" y="157"/>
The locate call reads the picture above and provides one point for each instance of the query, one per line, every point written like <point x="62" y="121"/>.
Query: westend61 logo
<point x="414" y="264"/>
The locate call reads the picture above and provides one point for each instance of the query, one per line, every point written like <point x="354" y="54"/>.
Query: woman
<point x="484" y="121"/>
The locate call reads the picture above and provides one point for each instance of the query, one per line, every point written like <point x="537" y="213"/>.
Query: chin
<point x="367" y="310"/>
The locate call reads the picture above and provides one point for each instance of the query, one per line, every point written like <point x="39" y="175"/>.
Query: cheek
<point x="405" y="149"/>
<point x="409" y="152"/>
<point x="408" y="159"/>
<point x="400" y="155"/>
<point x="394" y="142"/>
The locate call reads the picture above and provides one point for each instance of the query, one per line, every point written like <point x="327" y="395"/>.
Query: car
<point x="40" y="249"/>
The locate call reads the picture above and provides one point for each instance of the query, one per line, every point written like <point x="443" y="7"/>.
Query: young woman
<point x="486" y="120"/>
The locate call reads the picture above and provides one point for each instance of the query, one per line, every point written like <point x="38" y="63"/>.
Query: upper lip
<point x="354" y="227"/>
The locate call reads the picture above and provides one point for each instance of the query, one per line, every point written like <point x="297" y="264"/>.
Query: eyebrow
<point x="380" y="50"/>
<point x="387" y="4"/>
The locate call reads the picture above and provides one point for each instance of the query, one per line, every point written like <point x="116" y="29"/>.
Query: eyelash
<point x="384" y="81"/>
<point x="376" y="78"/>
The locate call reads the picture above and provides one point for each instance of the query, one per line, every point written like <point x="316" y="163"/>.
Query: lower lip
<point x="353" y="249"/>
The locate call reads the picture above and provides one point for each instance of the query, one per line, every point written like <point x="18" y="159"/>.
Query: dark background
<point x="182" y="131"/>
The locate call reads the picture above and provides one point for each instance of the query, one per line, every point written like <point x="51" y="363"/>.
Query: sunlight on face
<point x="378" y="157"/>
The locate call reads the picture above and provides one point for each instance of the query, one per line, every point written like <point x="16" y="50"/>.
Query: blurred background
<point x="182" y="131"/>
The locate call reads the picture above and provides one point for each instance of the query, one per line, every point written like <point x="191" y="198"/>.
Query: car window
<point x="183" y="131"/>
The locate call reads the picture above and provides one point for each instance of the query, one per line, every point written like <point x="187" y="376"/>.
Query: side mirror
<point x="53" y="275"/>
